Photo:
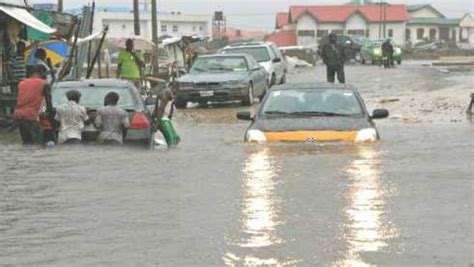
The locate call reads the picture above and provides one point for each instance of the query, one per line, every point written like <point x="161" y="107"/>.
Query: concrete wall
<point x="356" y="22"/>
<point x="306" y="22"/>
<point x="184" y="28"/>
<point x="414" y="28"/>
<point x="398" y="32"/>
<point x="414" y="36"/>
<point x="121" y="24"/>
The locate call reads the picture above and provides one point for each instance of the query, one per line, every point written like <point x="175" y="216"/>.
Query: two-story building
<point x="174" y="24"/>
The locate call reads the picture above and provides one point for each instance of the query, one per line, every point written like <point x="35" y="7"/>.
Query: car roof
<point x="224" y="55"/>
<point x="313" y="86"/>
<point x="95" y="83"/>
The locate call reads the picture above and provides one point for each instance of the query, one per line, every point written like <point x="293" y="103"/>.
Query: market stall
<point x="24" y="30"/>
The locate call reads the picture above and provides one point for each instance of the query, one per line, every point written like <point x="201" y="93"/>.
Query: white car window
<point x="277" y="51"/>
<point x="273" y="55"/>
<point x="253" y="63"/>
<point x="259" y="53"/>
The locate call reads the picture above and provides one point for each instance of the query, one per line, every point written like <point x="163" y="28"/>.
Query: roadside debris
<point x="469" y="110"/>
<point x="388" y="100"/>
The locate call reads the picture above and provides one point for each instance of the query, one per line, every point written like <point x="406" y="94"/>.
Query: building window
<point x="124" y="26"/>
<point x="164" y="28"/>
<point x="306" y="33"/>
<point x="194" y="28"/>
<point x="338" y="32"/>
<point x="420" y="34"/>
<point x="175" y="28"/>
<point x="407" y="35"/>
<point x="322" y="33"/>
<point x="356" y="32"/>
<point x="367" y="33"/>
<point x="201" y="28"/>
<point x="390" y="32"/>
<point x="432" y="34"/>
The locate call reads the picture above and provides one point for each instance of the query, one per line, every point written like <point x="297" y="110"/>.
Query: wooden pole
<point x="60" y="5"/>
<point x="97" y="53"/>
<point x="384" y="20"/>
<point x="136" y="17"/>
<point x="154" y="29"/>
<point x="380" y="20"/>
<point x="91" y="28"/>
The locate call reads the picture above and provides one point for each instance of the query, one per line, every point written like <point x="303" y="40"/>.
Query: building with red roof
<point x="283" y="38"/>
<point x="236" y="35"/>
<point x="312" y="22"/>
<point x="282" y="19"/>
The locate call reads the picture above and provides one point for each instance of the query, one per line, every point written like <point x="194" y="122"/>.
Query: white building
<point x="467" y="31"/>
<point x="427" y="23"/>
<point x="311" y="23"/>
<point x="172" y="25"/>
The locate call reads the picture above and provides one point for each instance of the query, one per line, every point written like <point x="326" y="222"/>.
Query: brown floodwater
<point x="215" y="201"/>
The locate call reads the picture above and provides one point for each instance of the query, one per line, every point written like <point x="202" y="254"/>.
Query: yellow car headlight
<point x="255" y="136"/>
<point x="366" y="135"/>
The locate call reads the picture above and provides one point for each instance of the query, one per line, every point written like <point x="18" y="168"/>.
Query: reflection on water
<point x="366" y="230"/>
<point x="259" y="210"/>
<point x="260" y="203"/>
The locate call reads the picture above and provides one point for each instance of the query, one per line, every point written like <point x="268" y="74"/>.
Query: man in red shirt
<point x="33" y="93"/>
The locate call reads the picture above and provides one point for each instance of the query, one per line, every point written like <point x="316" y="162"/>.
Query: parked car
<point x="222" y="78"/>
<point x="267" y="55"/>
<point x="352" y="45"/>
<point x="430" y="46"/>
<point x="317" y="112"/>
<point x="93" y="93"/>
<point x="372" y="52"/>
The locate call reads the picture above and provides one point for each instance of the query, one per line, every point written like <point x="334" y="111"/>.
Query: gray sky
<point x="260" y="14"/>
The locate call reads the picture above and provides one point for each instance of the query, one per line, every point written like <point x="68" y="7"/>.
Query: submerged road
<point x="216" y="201"/>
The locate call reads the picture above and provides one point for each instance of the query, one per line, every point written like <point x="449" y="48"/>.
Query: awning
<point x="23" y="16"/>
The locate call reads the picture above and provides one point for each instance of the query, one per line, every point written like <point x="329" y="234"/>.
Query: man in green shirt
<point x="129" y="64"/>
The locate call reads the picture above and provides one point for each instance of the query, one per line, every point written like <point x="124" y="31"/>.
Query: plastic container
<point x="169" y="132"/>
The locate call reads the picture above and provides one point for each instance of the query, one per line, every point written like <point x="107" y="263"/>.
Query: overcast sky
<point x="260" y="14"/>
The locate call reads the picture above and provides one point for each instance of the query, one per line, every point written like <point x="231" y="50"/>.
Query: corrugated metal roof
<point x="434" y="21"/>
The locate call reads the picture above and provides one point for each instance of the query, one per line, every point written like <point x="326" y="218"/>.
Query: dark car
<point x="318" y="112"/>
<point x="93" y="93"/>
<point x="222" y="78"/>
<point x="351" y="43"/>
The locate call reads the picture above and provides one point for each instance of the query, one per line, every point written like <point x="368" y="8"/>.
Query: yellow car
<point x="318" y="112"/>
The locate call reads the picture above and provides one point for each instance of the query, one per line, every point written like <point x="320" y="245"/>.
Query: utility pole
<point x="136" y="17"/>
<point x="384" y="20"/>
<point x="154" y="34"/>
<point x="380" y="20"/>
<point x="60" y="6"/>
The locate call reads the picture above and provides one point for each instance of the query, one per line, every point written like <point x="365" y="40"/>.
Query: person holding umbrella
<point x="129" y="64"/>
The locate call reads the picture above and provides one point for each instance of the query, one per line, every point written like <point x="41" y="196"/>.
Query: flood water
<point x="215" y="201"/>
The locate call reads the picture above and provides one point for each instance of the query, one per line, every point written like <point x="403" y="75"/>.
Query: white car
<point x="267" y="55"/>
